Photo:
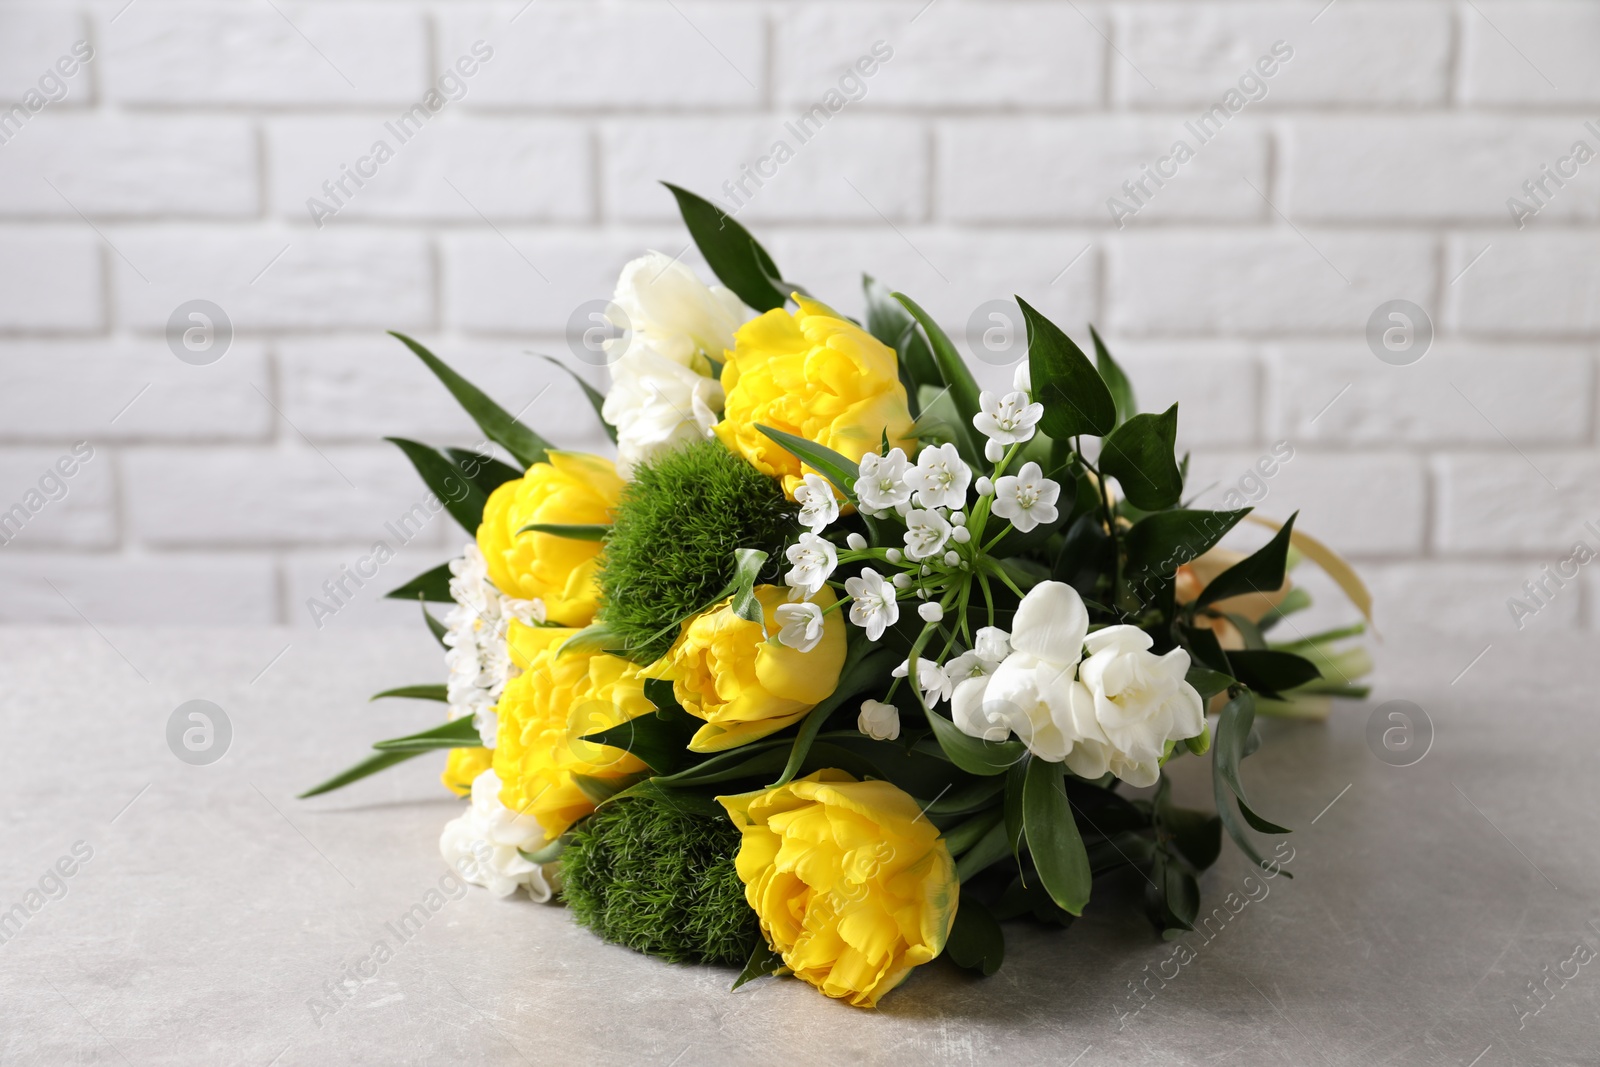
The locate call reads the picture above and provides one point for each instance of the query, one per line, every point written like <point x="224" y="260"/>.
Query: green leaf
<point x="457" y="733"/>
<point x="692" y="802"/>
<point x="486" y="472"/>
<point x="1207" y="682"/>
<point x="1260" y="572"/>
<point x="763" y="961"/>
<point x="435" y="627"/>
<point x="571" y="531"/>
<point x="825" y="461"/>
<point x="1075" y="398"/>
<point x="747" y="564"/>
<point x="548" y="853"/>
<point x="1159" y="544"/>
<point x="990" y="849"/>
<point x="370" y="765"/>
<point x="976" y="941"/>
<point x="1197" y="835"/>
<point x="965" y="799"/>
<point x="863" y="665"/>
<point x="459" y="494"/>
<point x="1053" y="839"/>
<point x="659" y="743"/>
<point x="597" y="637"/>
<point x="1116" y="381"/>
<point x="940" y="423"/>
<point x="972" y="754"/>
<point x="1139" y="455"/>
<point x="596" y="399"/>
<point x="1015" y="778"/>
<point x="953" y="370"/>
<point x="525" y="446"/>
<point x="1270" y="671"/>
<point x="961" y="838"/>
<point x="433" y="585"/>
<point x="891" y="323"/>
<point x="600" y="790"/>
<point x="1232" y="745"/>
<point x="414" y="692"/>
<point x="735" y="257"/>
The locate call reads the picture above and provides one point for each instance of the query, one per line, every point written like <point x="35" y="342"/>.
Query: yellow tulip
<point x="814" y="375"/>
<point x="852" y="885"/>
<point x="571" y="488"/>
<point x="725" y="671"/>
<point x="462" y="766"/>
<point x="546" y="710"/>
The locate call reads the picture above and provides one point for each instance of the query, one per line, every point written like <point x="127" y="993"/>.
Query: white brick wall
<point x="974" y="161"/>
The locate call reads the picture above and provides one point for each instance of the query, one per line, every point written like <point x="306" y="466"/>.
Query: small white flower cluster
<point x="481" y="844"/>
<point x="475" y="639"/>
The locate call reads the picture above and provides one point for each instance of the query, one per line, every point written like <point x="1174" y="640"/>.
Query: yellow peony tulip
<point x="817" y="376"/>
<point x="546" y="710"/>
<point x="462" y="766"/>
<point x="572" y="488"/>
<point x="853" y="887"/>
<point x="723" y="670"/>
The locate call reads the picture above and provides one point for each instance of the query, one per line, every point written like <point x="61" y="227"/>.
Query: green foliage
<point x="735" y="257"/>
<point x="657" y="875"/>
<point x="670" y="551"/>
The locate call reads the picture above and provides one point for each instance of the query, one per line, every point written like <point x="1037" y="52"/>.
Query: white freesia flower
<point x="818" y="506"/>
<point x="800" y="626"/>
<point x="878" y="720"/>
<point x="481" y="845"/>
<point x="880" y="485"/>
<point x="992" y="646"/>
<point x="670" y="310"/>
<point x="1027" y="498"/>
<point x="1007" y="420"/>
<point x="1022" y="378"/>
<point x="931" y="679"/>
<point x="657" y="404"/>
<point x="926" y="534"/>
<point x="1140" y="700"/>
<point x="813" y="560"/>
<point x="940" y="477"/>
<point x="872" y="603"/>
<point x="477" y="655"/>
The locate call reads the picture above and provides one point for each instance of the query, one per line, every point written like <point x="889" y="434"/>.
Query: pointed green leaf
<point x="1159" y="544"/>
<point x="459" y="494"/>
<point x="435" y="627"/>
<point x="952" y="370"/>
<point x="990" y="850"/>
<point x="596" y="399"/>
<point x="1260" y="572"/>
<point x="976" y="941"/>
<point x="1270" y="671"/>
<point x="525" y="446"/>
<point x="486" y="472"/>
<point x="1075" y="398"/>
<point x="431" y="585"/>
<point x="1053" y="839"/>
<point x="763" y="961"/>
<point x="825" y="461"/>
<point x="548" y="853"/>
<point x="747" y="564"/>
<point x="370" y="765"/>
<point x="660" y="744"/>
<point x="414" y="692"/>
<point x="891" y="323"/>
<point x="571" y="531"/>
<point x="457" y="733"/>
<point x="1139" y="454"/>
<point x="1116" y="381"/>
<point x="594" y="638"/>
<point x="735" y="257"/>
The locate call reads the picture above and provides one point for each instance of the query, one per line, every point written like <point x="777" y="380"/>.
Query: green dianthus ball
<point x="670" y="549"/>
<point x="659" y="879"/>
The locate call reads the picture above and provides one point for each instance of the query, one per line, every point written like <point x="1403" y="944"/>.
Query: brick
<point x="1534" y="283"/>
<point x="1360" y="502"/>
<point x="363" y="390"/>
<point x="331" y="279"/>
<point x="1499" y="502"/>
<point x="509" y="170"/>
<point x="520" y="281"/>
<point x="130" y="165"/>
<point x="1465" y="598"/>
<point x="1440" y="168"/>
<point x="53" y="280"/>
<point x="961" y="56"/>
<point x="1067" y="169"/>
<point x="1459" y="393"/>
<point x="254" y="497"/>
<point x="131" y="389"/>
<point x="1216" y="385"/>
<point x="188" y="590"/>
<point x="203" y="54"/>
<point x="32" y="38"/>
<point x="810" y="178"/>
<point x="1355" y="53"/>
<point x="309" y="575"/>
<point x="1555" y="65"/>
<point x="57" y="510"/>
<point x="1266" y="282"/>
<point x="578" y="55"/>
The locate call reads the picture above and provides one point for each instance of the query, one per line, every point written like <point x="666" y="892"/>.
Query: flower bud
<point x="931" y="612"/>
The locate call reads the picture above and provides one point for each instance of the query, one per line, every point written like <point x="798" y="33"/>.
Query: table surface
<point x="215" y="909"/>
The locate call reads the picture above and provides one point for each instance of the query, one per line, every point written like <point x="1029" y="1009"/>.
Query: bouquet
<point x="844" y="661"/>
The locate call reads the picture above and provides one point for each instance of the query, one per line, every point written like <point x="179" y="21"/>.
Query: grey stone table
<point x="207" y="912"/>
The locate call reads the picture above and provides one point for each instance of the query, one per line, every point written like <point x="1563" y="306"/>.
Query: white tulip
<point x="482" y="844"/>
<point x="657" y="404"/>
<point x="673" y="312"/>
